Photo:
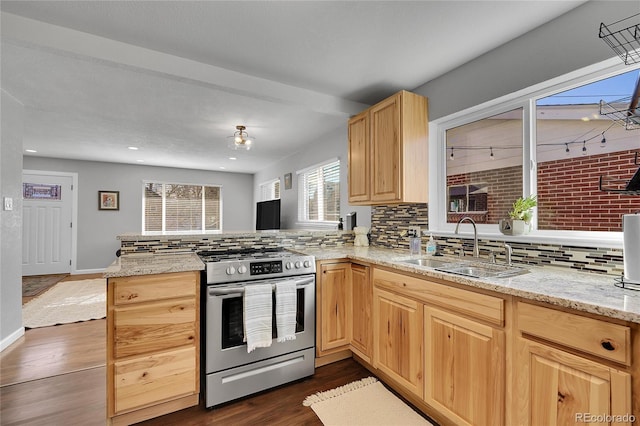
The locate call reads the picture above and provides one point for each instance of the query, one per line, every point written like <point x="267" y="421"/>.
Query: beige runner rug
<point x="365" y="402"/>
<point x="67" y="302"/>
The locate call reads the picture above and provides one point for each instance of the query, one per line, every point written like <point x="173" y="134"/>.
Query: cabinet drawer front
<point x="606" y="340"/>
<point x="156" y="326"/>
<point x="154" y="378"/>
<point x="481" y="306"/>
<point x="146" y="288"/>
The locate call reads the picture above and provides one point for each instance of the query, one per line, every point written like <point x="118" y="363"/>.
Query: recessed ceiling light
<point x="30" y="150"/>
<point x="232" y="158"/>
<point x="133" y="148"/>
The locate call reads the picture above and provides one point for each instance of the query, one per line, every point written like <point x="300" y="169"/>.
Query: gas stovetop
<point x="253" y="264"/>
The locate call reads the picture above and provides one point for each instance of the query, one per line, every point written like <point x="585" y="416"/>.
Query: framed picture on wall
<point x="287" y="181"/>
<point x="108" y="200"/>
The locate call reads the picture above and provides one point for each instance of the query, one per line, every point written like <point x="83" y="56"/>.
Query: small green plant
<point x="521" y="208"/>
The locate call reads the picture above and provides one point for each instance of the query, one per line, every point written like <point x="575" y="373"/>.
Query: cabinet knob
<point x="606" y="344"/>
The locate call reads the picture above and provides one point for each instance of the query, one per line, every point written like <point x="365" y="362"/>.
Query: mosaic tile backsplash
<point x="388" y="222"/>
<point x="387" y="225"/>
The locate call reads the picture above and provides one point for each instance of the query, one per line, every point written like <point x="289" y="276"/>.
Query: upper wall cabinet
<point x="388" y="152"/>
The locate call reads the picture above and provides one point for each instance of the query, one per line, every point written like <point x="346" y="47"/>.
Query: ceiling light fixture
<point x="133" y="148"/>
<point x="240" y="139"/>
<point x="31" y="150"/>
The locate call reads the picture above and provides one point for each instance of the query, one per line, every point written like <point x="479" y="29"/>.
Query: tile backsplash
<point x="388" y="222"/>
<point x="387" y="225"/>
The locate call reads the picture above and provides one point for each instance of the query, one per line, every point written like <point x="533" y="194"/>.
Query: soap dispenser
<point x="414" y="242"/>
<point x="431" y="246"/>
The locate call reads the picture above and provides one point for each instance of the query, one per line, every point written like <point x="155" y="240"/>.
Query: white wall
<point x="331" y="145"/>
<point x="568" y="43"/>
<point x="97" y="229"/>
<point x="11" y="221"/>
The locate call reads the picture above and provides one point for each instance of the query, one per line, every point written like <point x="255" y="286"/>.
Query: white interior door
<point x="47" y="206"/>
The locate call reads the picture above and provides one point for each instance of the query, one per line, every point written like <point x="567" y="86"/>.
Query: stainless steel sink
<point x="430" y="263"/>
<point x="470" y="268"/>
<point x="483" y="270"/>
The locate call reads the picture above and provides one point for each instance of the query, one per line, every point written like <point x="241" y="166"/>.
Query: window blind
<point x="319" y="193"/>
<point x="270" y="190"/>
<point x="181" y="208"/>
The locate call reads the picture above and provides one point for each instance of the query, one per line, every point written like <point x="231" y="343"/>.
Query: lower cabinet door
<point x="558" y="388"/>
<point x="465" y="368"/>
<point x="398" y="339"/>
<point x="154" y="378"/>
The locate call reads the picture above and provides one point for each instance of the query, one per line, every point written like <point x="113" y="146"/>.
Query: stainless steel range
<point x="230" y="371"/>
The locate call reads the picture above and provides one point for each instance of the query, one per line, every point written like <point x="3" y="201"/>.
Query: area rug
<point x="67" y="302"/>
<point x="36" y="284"/>
<point x="365" y="402"/>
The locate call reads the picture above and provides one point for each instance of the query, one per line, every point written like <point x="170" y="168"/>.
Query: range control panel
<point x="264" y="268"/>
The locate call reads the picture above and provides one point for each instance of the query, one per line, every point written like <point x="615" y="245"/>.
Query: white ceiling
<point x="174" y="78"/>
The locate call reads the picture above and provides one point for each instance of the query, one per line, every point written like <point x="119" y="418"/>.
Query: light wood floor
<point x="57" y="376"/>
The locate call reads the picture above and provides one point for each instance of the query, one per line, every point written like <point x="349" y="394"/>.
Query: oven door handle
<point x="213" y="291"/>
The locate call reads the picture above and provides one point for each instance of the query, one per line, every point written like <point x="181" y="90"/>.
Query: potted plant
<point x="520" y="216"/>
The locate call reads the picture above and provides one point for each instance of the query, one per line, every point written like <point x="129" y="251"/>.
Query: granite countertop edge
<point x="148" y="264"/>
<point x="559" y="286"/>
<point x="562" y="287"/>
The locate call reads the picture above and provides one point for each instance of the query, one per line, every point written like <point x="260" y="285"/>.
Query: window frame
<point x="270" y="186"/>
<point x="305" y="223"/>
<point x="191" y="232"/>
<point x="526" y="99"/>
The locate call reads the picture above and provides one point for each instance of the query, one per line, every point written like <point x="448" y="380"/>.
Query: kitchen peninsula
<point x="511" y="336"/>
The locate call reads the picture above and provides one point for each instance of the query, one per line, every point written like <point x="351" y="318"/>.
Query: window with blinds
<point x="319" y="193"/>
<point x="176" y="208"/>
<point x="270" y="190"/>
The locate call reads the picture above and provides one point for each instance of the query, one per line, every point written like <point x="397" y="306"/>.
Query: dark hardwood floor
<point x="56" y="376"/>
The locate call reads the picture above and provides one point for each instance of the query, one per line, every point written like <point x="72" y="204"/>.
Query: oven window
<point x="233" y="320"/>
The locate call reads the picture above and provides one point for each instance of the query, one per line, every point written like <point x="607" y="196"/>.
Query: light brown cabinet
<point x="333" y="312"/>
<point x="465" y="368"/>
<point x="397" y="339"/>
<point x="566" y="370"/>
<point x="362" y="295"/>
<point x="388" y="152"/>
<point x="153" y="334"/>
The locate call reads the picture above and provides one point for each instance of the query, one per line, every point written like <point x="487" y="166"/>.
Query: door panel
<point x="46" y="224"/>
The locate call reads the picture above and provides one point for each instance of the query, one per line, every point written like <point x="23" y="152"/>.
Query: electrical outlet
<point x="415" y="230"/>
<point x="8" y="203"/>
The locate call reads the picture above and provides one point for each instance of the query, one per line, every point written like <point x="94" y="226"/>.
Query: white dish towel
<point x="286" y="306"/>
<point x="258" y="313"/>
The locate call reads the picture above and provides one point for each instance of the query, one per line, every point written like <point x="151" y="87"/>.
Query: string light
<point x="603" y="141"/>
<point x="491" y="153"/>
<point x="567" y="150"/>
<point x="451" y="156"/>
<point x="584" y="147"/>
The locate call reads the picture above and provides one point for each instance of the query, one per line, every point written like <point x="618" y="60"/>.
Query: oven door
<point x="224" y="324"/>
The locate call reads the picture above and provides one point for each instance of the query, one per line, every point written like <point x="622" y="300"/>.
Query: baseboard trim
<point x="87" y="271"/>
<point x="10" y="339"/>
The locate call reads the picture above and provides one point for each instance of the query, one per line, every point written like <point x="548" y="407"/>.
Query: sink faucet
<point x="476" y="251"/>
<point x="508" y="251"/>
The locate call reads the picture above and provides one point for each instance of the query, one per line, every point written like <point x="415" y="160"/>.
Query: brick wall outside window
<point x="569" y="197"/>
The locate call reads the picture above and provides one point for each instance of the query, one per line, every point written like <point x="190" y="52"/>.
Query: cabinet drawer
<point x="149" y="379"/>
<point x="152" y="327"/>
<point x="600" y="338"/>
<point x="146" y="288"/>
<point x="480" y="306"/>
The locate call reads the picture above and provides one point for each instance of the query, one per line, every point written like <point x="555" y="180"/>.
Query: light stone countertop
<point x="587" y="292"/>
<point x="147" y="264"/>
